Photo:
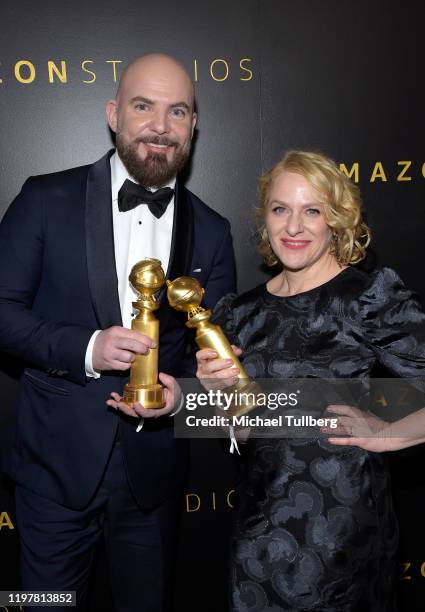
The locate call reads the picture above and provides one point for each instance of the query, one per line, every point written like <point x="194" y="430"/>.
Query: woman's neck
<point x="292" y="282"/>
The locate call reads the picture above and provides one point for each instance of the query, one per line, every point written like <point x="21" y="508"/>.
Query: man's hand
<point x="115" y="348"/>
<point x="172" y="397"/>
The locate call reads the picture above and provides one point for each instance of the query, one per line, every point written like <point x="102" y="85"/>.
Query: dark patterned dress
<point x="315" y="529"/>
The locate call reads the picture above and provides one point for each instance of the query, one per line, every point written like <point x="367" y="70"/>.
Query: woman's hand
<point x="364" y="429"/>
<point x="215" y="373"/>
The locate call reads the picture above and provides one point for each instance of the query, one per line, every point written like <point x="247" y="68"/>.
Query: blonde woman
<point x="315" y="529"/>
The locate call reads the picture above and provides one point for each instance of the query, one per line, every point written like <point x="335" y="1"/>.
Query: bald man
<point x="82" y="466"/>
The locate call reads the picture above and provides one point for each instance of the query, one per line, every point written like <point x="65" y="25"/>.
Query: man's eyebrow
<point x="181" y="104"/>
<point x="141" y="99"/>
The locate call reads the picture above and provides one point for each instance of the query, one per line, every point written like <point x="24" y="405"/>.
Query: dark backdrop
<point x="341" y="76"/>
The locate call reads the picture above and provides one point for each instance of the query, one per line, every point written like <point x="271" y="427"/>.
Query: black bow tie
<point x="131" y="195"/>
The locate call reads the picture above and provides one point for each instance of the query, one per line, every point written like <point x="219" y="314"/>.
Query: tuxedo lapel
<point x="182" y="239"/>
<point x="181" y="248"/>
<point x="101" y="266"/>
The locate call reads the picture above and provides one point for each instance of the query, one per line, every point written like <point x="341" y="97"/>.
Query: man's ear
<point x="194" y="119"/>
<point x="111" y="113"/>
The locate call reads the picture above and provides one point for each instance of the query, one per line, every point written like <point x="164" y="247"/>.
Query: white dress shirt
<point x="137" y="234"/>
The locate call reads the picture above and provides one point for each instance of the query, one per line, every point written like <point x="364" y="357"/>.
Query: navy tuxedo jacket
<point x="58" y="284"/>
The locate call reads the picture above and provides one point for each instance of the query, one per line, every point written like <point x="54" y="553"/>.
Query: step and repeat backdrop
<point x="338" y="76"/>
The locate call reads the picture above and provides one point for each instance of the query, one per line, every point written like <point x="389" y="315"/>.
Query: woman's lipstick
<point x="295" y="244"/>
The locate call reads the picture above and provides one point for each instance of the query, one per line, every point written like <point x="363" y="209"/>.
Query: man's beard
<point x="154" y="170"/>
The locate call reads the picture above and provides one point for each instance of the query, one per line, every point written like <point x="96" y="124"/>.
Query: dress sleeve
<point x="223" y="315"/>
<point x="394" y="324"/>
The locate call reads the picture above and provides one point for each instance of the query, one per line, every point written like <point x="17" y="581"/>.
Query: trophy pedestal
<point x="149" y="396"/>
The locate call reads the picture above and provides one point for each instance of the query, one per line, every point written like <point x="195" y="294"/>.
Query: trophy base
<point x="149" y="396"/>
<point x="245" y="392"/>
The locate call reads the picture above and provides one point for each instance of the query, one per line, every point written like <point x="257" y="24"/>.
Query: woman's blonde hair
<point x="341" y="200"/>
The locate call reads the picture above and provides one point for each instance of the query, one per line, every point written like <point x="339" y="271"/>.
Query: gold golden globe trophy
<point x="185" y="294"/>
<point x="146" y="277"/>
